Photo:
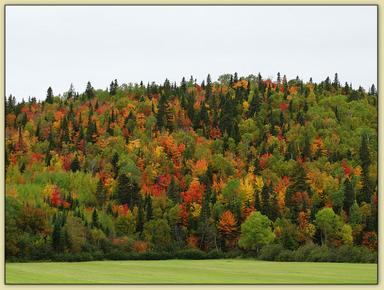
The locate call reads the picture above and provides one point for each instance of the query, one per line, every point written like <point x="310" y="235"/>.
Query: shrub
<point x="270" y="252"/>
<point x="233" y="254"/>
<point x="215" y="254"/>
<point x="286" y="256"/>
<point x="98" y="256"/>
<point x="154" y="256"/>
<point x="116" y="255"/>
<point x="302" y="253"/>
<point x="362" y="255"/>
<point x="193" y="254"/>
<point x="140" y="246"/>
<point x="318" y="254"/>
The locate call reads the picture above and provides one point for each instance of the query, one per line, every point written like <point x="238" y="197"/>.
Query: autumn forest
<point x="273" y="169"/>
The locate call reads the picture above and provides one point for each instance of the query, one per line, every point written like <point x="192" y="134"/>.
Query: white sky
<point x="58" y="45"/>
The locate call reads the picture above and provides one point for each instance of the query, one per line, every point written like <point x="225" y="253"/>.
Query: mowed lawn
<point x="190" y="272"/>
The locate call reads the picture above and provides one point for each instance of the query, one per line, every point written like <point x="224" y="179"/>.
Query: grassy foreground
<point x="190" y="272"/>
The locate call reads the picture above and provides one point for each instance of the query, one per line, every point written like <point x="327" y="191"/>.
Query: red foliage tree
<point x="55" y="197"/>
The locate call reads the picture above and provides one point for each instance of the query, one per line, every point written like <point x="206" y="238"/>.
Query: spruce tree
<point x="161" y="112"/>
<point x="273" y="207"/>
<point x="89" y="91"/>
<point x="285" y="85"/>
<point x="208" y="89"/>
<point x="148" y="208"/>
<point x="95" y="219"/>
<point x="254" y="106"/>
<point x="265" y="192"/>
<point x="37" y="132"/>
<point x="114" y="162"/>
<point x="306" y="153"/>
<point x="173" y="191"/>
<point x="49" y="98"/>
<point x="298" y="184"/>
<point x="127" y="191"/>
<point x="336" y="83"/>
<point x="365" y="163"/>
<point x="140" y="218"/>
<point x="75" y="164"/>
<point x="257" y="204"/>
<point x="349" y="195"/>
<point x="100" y="193"/>
<point x="183" y="87"/>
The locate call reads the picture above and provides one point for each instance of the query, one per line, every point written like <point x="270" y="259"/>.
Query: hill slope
<point x="167" y="167"/>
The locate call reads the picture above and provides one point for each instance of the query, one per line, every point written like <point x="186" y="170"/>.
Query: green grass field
<point x="190" y="272"/>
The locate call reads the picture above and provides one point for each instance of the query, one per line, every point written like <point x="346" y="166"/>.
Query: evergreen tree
<point x="349" y="195"/>
<point x="89" y="91"/>
<point x="285" y="85"/>
<point x="300" y="118"/>
<point x="71" y="92"/>
<point x="95" y="219"/>
<point x="114" y="162"/>
<point x="254" y="106"/>
<point x="208" y="89"/>
<point x="140" y="218"/>
<point x="148" y="208"/>
<point x="170" y="120"/>
<point x="298" y="184"/>
<point x="235" y="78"/>
<point x="37" y="132"/>
<point x="64" y="130"/>
<point x="161" y="112"/>
<point x="366" y="190"/>
<point x="100" y="193"/>
<point x="282" y="120"/>
<point x="49" y="98"/>
<point x="227" y="119"/>
<point x="273" y="210"/>
<point x="91" y="131"/>
<point x="10" y="105"/>
<point x="336" y="83"/>
<point x="183" y="87"/>
<point x="346" y="89"/>
<point x="173" y="191"/>
<point x="265" y="192"/>
<point x="373" y="91"/>
<point x="257" y="204"/>
<point x="113" y="87"/>
<point x="364" y="153"/>
<point x="204" y="118"/>
<point x="306" y="153"/>
<point x="127" y="191"/>
<point x="75" y="164"/>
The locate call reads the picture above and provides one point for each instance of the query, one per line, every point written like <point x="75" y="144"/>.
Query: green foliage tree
<point x="330" y="225"/>
<point x="125" y="225"/>
<point x="256" y="232"/>
<point x="158" y="233"/>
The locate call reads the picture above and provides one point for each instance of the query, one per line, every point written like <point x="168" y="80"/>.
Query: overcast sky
<point x="59" y="45"/>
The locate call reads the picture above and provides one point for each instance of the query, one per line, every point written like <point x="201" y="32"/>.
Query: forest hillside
<point x="241" y="166"/>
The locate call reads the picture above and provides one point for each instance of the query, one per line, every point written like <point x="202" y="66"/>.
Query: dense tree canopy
<point x="238" y="163"/>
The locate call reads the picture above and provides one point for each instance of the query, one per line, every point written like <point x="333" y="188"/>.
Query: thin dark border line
<point x="213" y="5"/>
<point x="5" y="126"/>
<point x="377" y="139"/>
<point x="191" y="4"/>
